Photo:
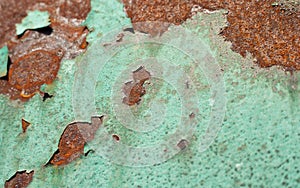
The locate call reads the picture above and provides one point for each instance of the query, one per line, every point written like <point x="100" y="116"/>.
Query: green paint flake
<point x="34" y="20"/>
<point x="3" y="61"/>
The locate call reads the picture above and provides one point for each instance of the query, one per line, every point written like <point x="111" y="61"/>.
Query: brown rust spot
<point x="72" y="141"/>
<point x="141" y="75"/>
<point x="270" y="33"/>
<point x="20" y="179"/>
<point x="135" y="89"/>
<point x="25" y="125"/>
<point x="133" y="92"/>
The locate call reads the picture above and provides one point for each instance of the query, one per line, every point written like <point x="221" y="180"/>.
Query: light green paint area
<point x="34" y="20"/>
<point x="257" y="146"/>
<point x="3" y="61"/>
<point x="104" y="17"/>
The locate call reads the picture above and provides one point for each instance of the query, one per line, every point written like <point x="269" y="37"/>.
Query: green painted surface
<point x="34" y="20"/>
<point x="257" y="146"/>
<point x="3" y="61"/>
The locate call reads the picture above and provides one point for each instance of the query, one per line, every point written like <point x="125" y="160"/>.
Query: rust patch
<point x="20" y="179"/>
<point x="266" y="31"/>
<point x="72" y="141"/>
<point x="171" y="11"/>
<point x="135" y="89"/>
<point x="41" y="49"/>
<point x="270" y="33"/>
<point x="25" y="125"/>
<point x="31" y="71"/>
<point x="75" y="9"/>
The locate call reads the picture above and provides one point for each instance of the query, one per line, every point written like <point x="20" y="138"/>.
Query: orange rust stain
<point x="29" y="72"/>
<point x="72" y="141"/>
<point x="34" y="69"/>
<point x="71" y="146"/>
<point x="84" y="44"/>
<point x="135" y="89"/>
<point x="25" y="125"/>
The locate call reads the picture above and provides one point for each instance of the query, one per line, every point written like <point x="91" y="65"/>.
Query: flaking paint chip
<point x="34" y="20"/>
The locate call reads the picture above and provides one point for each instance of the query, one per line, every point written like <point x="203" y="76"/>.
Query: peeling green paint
<point x="34" y="20"/>
<point x="3" y="61"/>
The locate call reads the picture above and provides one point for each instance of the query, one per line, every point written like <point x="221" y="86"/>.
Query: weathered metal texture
<point x="270" y="33"/>
<point x="258" y="142"/>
